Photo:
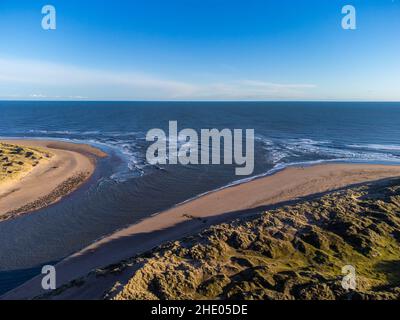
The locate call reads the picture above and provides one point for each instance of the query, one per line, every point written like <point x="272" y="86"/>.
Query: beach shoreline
<point x="68" y="168"/>
<point x="289" y="185"/>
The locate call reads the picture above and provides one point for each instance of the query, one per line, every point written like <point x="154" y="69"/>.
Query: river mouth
<point x="124" y="189"/>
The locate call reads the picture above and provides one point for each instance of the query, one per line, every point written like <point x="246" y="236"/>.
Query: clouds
<point x="53" y="79"/>
<point x="256" y="90"/>
<point x="30" y="79"/>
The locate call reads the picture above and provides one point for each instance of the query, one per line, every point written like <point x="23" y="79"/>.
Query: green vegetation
<point x="17" y="160"/>
<point x="294" y="252"/>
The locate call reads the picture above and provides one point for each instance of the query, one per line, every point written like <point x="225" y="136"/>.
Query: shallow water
<point x="125" y="189"/>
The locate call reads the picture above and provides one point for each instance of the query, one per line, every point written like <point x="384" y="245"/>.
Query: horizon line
<point x="200" y="101"/>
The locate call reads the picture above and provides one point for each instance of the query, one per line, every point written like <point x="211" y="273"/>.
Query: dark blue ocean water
<point x="125" y="188"/>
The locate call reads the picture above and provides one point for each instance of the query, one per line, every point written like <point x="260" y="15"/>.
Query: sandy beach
<point x="189" y="218"/>
<point x="67" y="167"/>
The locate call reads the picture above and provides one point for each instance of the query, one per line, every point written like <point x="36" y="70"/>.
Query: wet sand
<point x="189" y="218"/>
<point x="68" y="168"/>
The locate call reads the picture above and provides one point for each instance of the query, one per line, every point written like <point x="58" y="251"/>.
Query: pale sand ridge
<point x="69" y="166"/>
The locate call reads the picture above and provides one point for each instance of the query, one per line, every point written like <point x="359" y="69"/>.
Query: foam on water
<point x="127" y="189"/>
<point x="285" y="151"/>
<point x="131" y="147"/>
<point x="128" y="147"/>
<point x="380" y="147"/>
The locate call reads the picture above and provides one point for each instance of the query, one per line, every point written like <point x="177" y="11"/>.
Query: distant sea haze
<point x="125" y="188"/>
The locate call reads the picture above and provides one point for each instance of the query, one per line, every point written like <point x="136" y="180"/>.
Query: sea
<point x="125" y="188"/>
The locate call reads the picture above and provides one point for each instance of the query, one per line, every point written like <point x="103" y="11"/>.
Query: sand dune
<point x="191" y="217"/>
<point x="65" y="169"/>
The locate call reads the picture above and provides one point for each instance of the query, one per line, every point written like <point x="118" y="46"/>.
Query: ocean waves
<point x="280" y="152"/>
<point x="130" y="148"/>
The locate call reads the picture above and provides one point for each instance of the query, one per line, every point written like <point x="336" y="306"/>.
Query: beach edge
<point x="193" y="216"/>
<point x="71" y="167"/>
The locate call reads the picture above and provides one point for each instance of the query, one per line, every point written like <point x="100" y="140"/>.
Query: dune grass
<point x="294" y="252"/>
<point x="16" y="161"/>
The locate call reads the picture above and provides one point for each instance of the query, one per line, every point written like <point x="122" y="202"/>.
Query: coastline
<point x="69" y="167"/>
<point x="288" y="185"/>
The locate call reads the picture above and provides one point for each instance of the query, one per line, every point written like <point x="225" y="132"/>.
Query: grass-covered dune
<point x="294" y="252"/>
<point x="15" y="160"/>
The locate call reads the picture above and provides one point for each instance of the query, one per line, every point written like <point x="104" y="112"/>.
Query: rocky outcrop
<point x="60" y="191"/>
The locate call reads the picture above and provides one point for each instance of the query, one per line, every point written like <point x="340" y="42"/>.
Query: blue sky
<point x="200" y="50"/>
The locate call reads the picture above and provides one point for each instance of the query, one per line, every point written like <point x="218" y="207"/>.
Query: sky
<point x="200" y="50"/>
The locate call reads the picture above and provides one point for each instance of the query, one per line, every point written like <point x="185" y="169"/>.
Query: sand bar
<point x="68" y="167"/>
<point x="189" y="218"/>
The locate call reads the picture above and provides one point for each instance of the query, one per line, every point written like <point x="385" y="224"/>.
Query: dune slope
<point x="293" y="252"/>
